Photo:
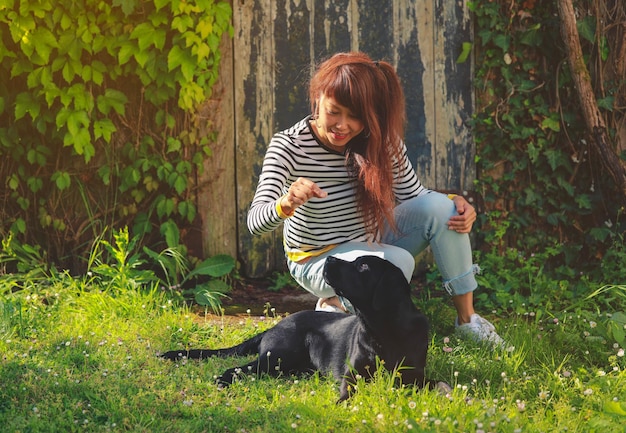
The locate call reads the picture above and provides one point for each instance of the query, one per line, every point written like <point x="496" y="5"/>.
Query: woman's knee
<point x="436" y="205"/>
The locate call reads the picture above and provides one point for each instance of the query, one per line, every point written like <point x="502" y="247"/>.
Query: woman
<point x="342" y="184"/>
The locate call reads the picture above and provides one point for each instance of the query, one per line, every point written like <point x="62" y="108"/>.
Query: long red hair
<point x="373" y="92"/>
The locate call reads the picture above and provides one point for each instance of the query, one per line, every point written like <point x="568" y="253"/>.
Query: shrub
<point x="98" y="130"/>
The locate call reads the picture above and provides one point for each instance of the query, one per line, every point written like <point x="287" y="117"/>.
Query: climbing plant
<point x="98" y="101"/>
<point x="543" y="183"/>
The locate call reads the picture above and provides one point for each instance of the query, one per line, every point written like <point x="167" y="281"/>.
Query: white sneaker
<point x="347" y="306"/>
<point x="481" y="330"/>
<point x="327" y="307"/>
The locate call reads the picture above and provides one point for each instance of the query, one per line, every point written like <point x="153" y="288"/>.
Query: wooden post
<point x="217" y="204"/>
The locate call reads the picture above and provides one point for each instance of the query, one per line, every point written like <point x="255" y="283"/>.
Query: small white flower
<point x="588" y="391"/>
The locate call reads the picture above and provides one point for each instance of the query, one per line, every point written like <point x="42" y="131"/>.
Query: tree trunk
<point x="589" y="105"/>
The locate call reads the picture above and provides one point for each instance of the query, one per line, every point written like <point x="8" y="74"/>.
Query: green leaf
<point x="164" y="207"/>
<point x="600" y="233"/>
<point x="180" y="184"/>
<point x="215" y="266"/>
<point x="587" y="28"/>
<point x="142" y="57"/>
<point x="533" y="151"/>
<point x="465" y="52"/>
<point x="103" y="128"/>
<point x="554" y="158"/>
<point x="607" y="103"/>
<point x="13" y="182"/>
<point x="34" y="184"/>
<point x="173" y="144"/>
<point x="44" y="42"/>
<point x="175" y="58"/>
<point x="112" y="99"/>
<point x="126" y="53"/>
<point x="583" y="201"/>
<point x="144" y="34"/>
<point x="160" y="4"/>
<point x="19" y="225"/>
<point x="128" y="6"/>
<point x="208" y="295"/>
<point x="170" y="232"/>
<point x="61" y="179"/>
<point x="502" y="41"/>
<point x="25" y="103"/>
<point x="76" y="121"/>
<point x="552" y="124"/>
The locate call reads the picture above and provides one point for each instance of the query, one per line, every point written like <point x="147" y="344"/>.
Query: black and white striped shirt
<point x="321" y="222"/>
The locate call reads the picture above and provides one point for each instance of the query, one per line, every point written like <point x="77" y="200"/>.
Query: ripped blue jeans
<point x="421" y="221"/>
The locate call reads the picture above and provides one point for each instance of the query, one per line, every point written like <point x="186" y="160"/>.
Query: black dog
<point x="386" y="325"/>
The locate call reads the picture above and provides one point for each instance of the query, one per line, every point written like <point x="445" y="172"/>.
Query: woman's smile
<point x="335" y="125"/>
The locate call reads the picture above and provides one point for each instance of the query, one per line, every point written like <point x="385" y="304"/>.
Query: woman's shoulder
<point x="299" y="135"/>
<point x="300" y="129"/>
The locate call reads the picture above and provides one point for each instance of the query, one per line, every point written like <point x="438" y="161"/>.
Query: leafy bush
<point x="98" y="130"/>
<point x="544" y="187"/>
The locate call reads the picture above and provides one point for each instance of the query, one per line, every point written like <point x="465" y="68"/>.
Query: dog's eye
<point x="364" y="267"/>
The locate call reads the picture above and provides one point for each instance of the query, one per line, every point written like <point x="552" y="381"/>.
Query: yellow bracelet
<point x="281" y="213"/>
<point x="451" y="196"/>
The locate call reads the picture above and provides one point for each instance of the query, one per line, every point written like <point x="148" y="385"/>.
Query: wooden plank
<point x="414" y="59"/>
<point x="254" y="122"/>
<point x="455" y="167"/>
<point x="216" y="191"/>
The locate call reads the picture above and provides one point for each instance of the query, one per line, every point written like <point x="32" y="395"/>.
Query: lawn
<point x="77" y="357"/>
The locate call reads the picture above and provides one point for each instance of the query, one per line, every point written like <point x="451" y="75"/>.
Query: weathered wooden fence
<point x="263" y="89"/>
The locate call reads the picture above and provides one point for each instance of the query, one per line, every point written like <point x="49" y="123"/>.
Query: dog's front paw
<point x="174" y="355"/>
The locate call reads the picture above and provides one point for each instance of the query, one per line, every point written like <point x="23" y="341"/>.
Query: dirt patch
<point x="258" y="296"/>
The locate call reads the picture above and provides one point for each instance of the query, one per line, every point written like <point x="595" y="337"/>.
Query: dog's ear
<point x="391" y="287"/>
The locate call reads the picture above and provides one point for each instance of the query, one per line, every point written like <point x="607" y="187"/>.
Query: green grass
<point x="74" y="358"/>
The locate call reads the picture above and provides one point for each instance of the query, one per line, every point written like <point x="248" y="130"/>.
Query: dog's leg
<point x="347" y="386"/>
<point x="267" y="363"/>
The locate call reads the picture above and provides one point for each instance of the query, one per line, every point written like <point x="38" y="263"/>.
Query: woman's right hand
<point x="301" y="191"/>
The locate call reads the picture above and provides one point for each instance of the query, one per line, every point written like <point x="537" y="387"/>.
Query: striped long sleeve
<point x="320" y="222"/>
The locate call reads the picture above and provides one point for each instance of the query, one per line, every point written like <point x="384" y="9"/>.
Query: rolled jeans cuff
<point x="462" y="284"/>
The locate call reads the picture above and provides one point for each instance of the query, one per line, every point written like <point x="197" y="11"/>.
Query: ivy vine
<point x="542" y="183"/>
<point x="98" y="130"/>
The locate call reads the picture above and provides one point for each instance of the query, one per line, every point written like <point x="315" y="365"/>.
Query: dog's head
<point x="369" y="282"/>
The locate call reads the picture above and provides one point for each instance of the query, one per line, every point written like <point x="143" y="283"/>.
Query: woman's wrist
<point x="281" y="211"/>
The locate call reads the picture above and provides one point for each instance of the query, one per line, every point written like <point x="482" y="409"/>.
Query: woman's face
<point x="336" y="125"/>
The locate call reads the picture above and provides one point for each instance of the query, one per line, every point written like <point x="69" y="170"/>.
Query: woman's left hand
<point x="462" y="223"/>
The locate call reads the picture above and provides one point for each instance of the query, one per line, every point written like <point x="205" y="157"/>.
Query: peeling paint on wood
<point x="278" y="41"/>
